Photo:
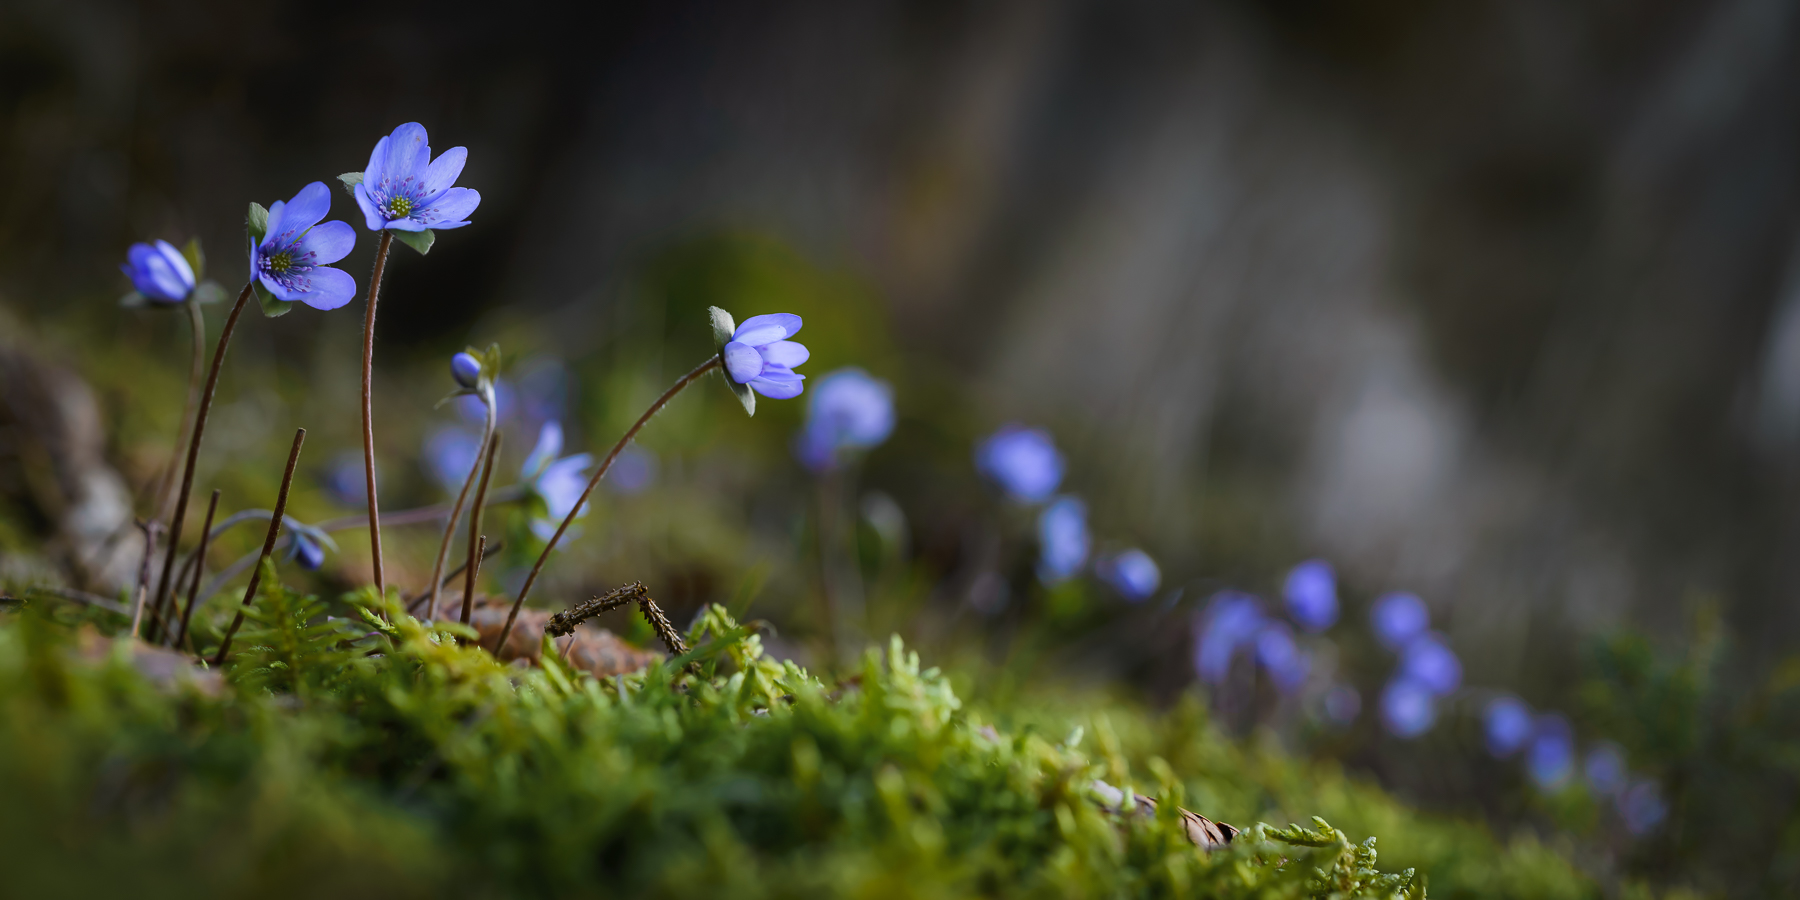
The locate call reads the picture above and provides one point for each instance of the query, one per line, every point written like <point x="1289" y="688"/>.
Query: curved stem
<point x="599" y="473"/>
<point x="475" y="468"/>
<point x="477" y="540"/>
<point x="287" y="481"/>
<point x="368" y="409"/>
<point x="193" y="449"/>
<point x="197" y="327"/>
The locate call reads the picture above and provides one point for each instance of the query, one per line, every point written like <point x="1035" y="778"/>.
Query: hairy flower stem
<point x="199" y="569"/>
<point x="287" y="481"/>
<point x="197" y="326"/>
<point x="477" y="541"/>
<point x="475" y="469"/>
<point x="593" y="482"/>
<point x="193" y="448"/>
<point x="368" y="409"/>
<point x="143" y="580"/>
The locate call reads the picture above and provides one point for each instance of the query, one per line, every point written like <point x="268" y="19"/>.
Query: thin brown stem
<point x="368" y="409"/>
<point x="193" y="448"/>
<point x="473" y="566"/>
<point x="475" y="469"/>
<point x="593" y="482"/>
<point x="197" y="327"/>
<point x="199" y="569"/>
<point x="287" y="481"/>
<point x="461" y="567"/>
<point x="143" y="579"/>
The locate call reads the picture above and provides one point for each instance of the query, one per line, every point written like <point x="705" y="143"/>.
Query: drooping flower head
<point x="1022" y="461"/>
<point x="292" y="260"/>
<point x="1398" y="618"/>
<point x="1507" y="724"/>
<point x="1132" y="573"/>
<point x="1550" y="757"/>
<point x="466" y="369"/>
<point x="404" y="189"/>
<point x="1408" y="709"/>
<point x="1062" y="539"/>
<point x="1232" y="619"/>
<point x="557" y="482"/>
<point x="1311" y="593"/>
<point x="849" y="409"/>
<point x="159" y="272"/>
<point x="761" y="356"/>
<point x="1429" y="662"/>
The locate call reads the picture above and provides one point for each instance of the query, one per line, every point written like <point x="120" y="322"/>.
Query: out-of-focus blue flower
<point x="558" y="482"/>
<point x="1398" y="618"/>
<point x="466" y="369"/>
<point x="1022" y="461"/>
<point x="1311" y="592"/>
<point x="474" y="412"/>
<point x="1232" y="619"/>
<point x="404" y="189"/>
<point x="1062" y="539"/>
<point x="1507" y="724"/>
<point x="310" y="555"/>
<point x="1550" y="757"/>
<point x="1408" y="709"/>
<point x="849" y="410"/>
<point x="159" y="271"/>
<point x="450" y="453"/>
<point x="1342" y="705"/>
<point x="1132" y="573"/>
<point x="1642" y="807"/>
<point x="760" y="355"/>
<point x="1430" y="662"/>
<point x="1281" y="657"/>
<point x="345" y="479"/>
<point x="632" y="472"/>
<point x="1604" y="768"/>
<point x="293" y="259"/>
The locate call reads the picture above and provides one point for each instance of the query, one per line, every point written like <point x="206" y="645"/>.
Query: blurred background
<point x="1495" y="305"/>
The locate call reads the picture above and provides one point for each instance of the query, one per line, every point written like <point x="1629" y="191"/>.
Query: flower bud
<point x="310" y="555"/>
<point x="466" y="369"/>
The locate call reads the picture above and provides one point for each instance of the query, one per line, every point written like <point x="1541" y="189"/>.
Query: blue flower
<point x="1281" y="657"/>
<point x="1232" y="619"/>
<point x="344" y="480"/>
<point x="1642" y="807"/>
<point x="466" y="369"/>
<point x="310" y="555"/>
<point x="1430" y="663"/>
<point x="1062" y="539"/>
<point x="1507" y="724"/>
<point x="557" y="482"/>
<point x="450" y="453"/>
<point x="849" y="410"/>
<point x="1408" y="708"/>
<point x="159" y="271"/>
<point x="1550" y="757"/>
<point x="1398" y="618"/>
<point x="292" y="259"/>
<point x="1022" y="461"/>
<point x="404" y="189"/>
<point x="1132" y="573"/>
<point x="1311" y="593"/>
<point x="760" y="355"/>
<point x="1604" y="769"/>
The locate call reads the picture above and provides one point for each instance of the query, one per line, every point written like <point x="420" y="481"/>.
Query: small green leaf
<point x="271" y="307"/>
<point x="743" y="393"/>
<point x="196" y="257"/>
<point x="134" y="300"/>
<point x="490" y="360"/>
<point x="209" y="292"/>
<point x="723" y="326"/>
<point x="351" y="180"/>
<point x="418" y="240"/>
<point x="257" y="221"/>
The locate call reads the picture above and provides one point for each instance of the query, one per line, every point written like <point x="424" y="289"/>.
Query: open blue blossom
<point x="159" y="272"/>
<point x="760" y="355"/>
<point x="1022" y="461"/>
<point x="1232" y="619"/>
<point x="1408" y="709"/>
<point x="849" y="410"/>
<point x="1277" y="653"/>
<point x="1398" y="618"/>
<point x="1311" y="593"/>
<point x="1604" y="769"/>
<point x="557" y="482"/>
<point x="1642" y="807"/>
<point x="1062" y="539"/>
<point x="1430" y="662"/>
<point x="1507" y="725"/>
<point x="466" y="369"/>
<point x="1132" y="573"/>
<point x="293" y="258"/>
<point x="404" y="189"/>
<point x="1550" y="757"/>
<point x="450" y="453"/>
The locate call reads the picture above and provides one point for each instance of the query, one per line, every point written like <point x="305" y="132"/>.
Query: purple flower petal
<point x="742" y="362"/>
<point x="328" y="242"/>
<point x="777" y="390"/>
<point x="403" y="148"/>
<point x="406" y="225"/>
<point x="331" y="288"/>
<point x="277" y="215"/>
<point x="451" y="210"/>
<point x="305" y="210"/>
<point x="786" y="353"/>
<point x="549" y="444"/>
<point x="377" y="168"/>
<point x="767" y="329"/>
<point x="371" y="216"/>
<point x="159" y="271"/>
<point x="442" y="172"/>
<point x="780" y="373"/>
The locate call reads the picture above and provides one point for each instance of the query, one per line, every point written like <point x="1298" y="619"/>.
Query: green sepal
<point x="723" y="327"/>
<point x="271" y="307"/>
<point x="418" y="240"/>
<point x="209" y="292"/>
<point x="134" y="300"/>
<point x="351" y="180"/>
<point x="196" y="257"/>
<point x="257" y="221"/>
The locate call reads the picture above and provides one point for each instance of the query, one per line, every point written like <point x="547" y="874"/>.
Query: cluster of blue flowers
<point x="1235" y="621"/>
<point x="1546" y="744"/>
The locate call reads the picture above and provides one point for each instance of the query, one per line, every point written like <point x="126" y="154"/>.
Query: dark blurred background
<point x="1497" y="301"/>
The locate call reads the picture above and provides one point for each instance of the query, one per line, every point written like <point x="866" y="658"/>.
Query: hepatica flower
<point x="1642" y="807"/>
<point x="1277" y="653"/>
<point x="760" y="355"/>
<point x="159" y="272"/>
<point x="1232" y="619"/>
<point x="1132" y="573"/>
<point x="1604" y="769"/>
<point x="466" y="369"/>
<point x="1408" y="708"/>
<point x="1550" y="757"/>
<point x="404" y="189"/>
<point x="1507" y="725"/>
<point x="557" y="482"/>
<point x="1398" y="618"/>
<point x="292" y="260"/>
<point x="849" y="409"/>
<point x="1311" y="594"/>
<point x="1430" y="663"/>
<point x="1022" y="461"/>
<point x="1062" y="540"/>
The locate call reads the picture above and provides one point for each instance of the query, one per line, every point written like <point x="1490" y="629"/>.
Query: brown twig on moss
<point x="660" y="624"/>
<point x="564" y="622"/>
<point x="287" y="481"/>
